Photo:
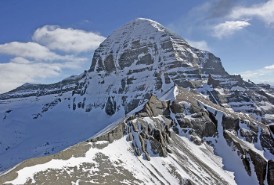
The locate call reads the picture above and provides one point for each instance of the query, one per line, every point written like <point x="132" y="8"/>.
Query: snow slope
<point x="24" y="137"/>
<point x="157" y="171"/>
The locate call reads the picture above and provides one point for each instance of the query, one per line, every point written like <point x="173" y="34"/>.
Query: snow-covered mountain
<point x="153" y="110"/>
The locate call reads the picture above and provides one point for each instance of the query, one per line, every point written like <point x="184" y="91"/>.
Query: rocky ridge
<point x="164" y="129"/>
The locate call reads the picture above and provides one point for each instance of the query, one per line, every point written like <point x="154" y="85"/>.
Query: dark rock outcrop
<point x="155" y="107"/>
<point x="109" y="64"/>
<point x="114" y="134"/>
<point x="248" y="156"/>
<point x="211" y="81"/>
<point x="259" y="165"/>
<point x="270" y="172"/>
<point x="110" y="107"/>
<point x="230" y="122"/>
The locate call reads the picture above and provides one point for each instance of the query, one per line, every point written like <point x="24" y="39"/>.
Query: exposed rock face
<point x="231" y="122"/>
<point x="150" y="132"/>
<point x="259" y="165"/>
<point x="213" y="66"/>
<point x="211" y="81"/>
<point x="110" y="106"/>
<point x="109" y="64"/>
<point x="112" y="135"/>
<point x="268" y="96"/>
<point x="267" y="140"/>
<point x="248" y="157"/>
<point x="270" y="172"/>
<point x="155" y="107"/>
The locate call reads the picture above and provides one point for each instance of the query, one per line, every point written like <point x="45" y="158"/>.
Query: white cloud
<point x="41" y="59"/>
<point x="269" y="67"/>
<point x="20" y="70"/>
<point x="228" y="28"/>
<point x="67" y="40"/>
<point x="199" y="44"/>
<point x="29" y="50"/>
<point x="263" y="11"/>
<point x="263" y="75"/>
<point x="36" y="52"/>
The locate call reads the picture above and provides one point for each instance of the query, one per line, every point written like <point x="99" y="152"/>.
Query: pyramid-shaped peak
<point x="140" y="39"/>
<point x="140" y="28"/>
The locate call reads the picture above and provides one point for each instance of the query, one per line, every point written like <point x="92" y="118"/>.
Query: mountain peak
<point x="140" y="28"/>
<point x="144" y="43"/>
<point x="141" y="36"/>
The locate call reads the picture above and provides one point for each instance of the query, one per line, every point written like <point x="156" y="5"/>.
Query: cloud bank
<point x="228" y="28"/>
<point x="67" y="40"/>
<point x="262" y="11"/>
<point x="28" y="50"/>
<point x="52" y="51"/>
<point x="262" y="75"/>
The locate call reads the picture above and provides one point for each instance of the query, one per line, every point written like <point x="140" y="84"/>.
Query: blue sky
<point x="47" y="40"/>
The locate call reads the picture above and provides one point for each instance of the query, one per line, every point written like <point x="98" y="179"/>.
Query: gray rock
<point x="146" y="59"/>
<point x="270" y="172"/>
<point x="230" y="122"/>
<point x="249" y="135"/>
<point x="211" y="81"/>
<point x="109" y="64"/>
<point x="176" y="107"/>
<point x="201" y="124"/>
<point x="147" y="156"/>
<point x="267" y="140"/>
<point x="129" y="137"/>
<point x="114" y="134"/>
<point x="257" y="160"/>
<point x="155" y="107"/>
<point x="259" y="165"/>
<point x="213" y="65"/>
<point x="110" y="107"/>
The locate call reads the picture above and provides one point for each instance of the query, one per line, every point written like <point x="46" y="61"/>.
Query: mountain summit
<point x="147" y="42"/>
<point x="151" y="108"/>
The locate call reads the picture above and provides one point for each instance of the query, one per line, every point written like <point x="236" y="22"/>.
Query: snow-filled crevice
<point x="230" y="159"/>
